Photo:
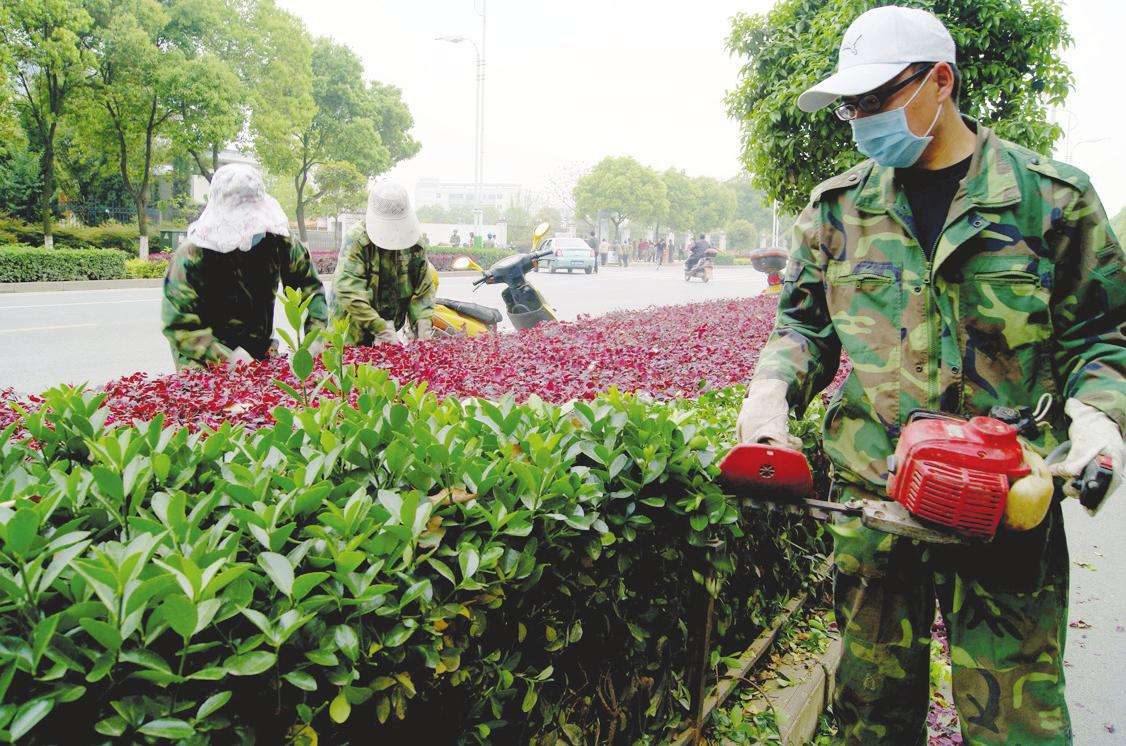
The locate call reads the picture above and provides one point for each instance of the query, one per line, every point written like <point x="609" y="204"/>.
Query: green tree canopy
<point x="716" y="204"/>
<point x="356" y="131"/>
<point x="154" y="78"/>
<point x="47" y="58"/>
<point x="1008" y="55"/>
<point x="622" y="189"/>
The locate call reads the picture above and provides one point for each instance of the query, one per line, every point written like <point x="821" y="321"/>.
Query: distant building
<point x="464" y="194"/>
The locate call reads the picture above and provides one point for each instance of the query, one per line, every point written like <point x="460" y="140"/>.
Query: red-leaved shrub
<point x="667" y="352"/>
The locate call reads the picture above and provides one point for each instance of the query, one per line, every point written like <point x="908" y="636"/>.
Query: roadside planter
<point x="372" y="560"/>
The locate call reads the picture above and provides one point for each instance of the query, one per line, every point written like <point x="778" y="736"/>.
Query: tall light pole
<point x="479" y="124"/>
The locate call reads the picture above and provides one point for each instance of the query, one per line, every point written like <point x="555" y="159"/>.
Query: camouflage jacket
<point x="376" y="289"/>
<point x="216" y="302"/>
<point x="1025" y="296"/>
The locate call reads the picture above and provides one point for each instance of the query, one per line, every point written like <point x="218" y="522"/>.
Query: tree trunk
<point x="300" y="211"/>
<point x="48" y="167"/>
<point x="142" y="223"/>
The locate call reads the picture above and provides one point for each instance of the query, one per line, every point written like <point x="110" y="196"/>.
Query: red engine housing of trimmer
<point x="956" y="472"/>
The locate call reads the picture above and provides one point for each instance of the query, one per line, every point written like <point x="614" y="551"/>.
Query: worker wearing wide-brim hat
<point x="222" y="281"/>
<point x="958" y="271"/>
<point x="382" y="280"/>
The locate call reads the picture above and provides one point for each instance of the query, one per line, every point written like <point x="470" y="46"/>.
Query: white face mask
<point x="886" y="137"/>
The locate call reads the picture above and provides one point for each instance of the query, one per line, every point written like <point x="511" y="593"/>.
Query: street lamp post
<point x="479" y="124"/>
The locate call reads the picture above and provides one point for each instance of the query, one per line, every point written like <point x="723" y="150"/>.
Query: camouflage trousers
<point x="1005" y="607"/>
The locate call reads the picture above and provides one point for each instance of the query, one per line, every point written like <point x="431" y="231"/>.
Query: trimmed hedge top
<point x="106" y="236"/>
<point x="27" y="264"/>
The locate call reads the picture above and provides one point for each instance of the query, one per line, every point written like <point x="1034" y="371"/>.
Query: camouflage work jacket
<point x="376" y="289"/>
<point x="1026" y="295"/>
<point x="216" y="302"/>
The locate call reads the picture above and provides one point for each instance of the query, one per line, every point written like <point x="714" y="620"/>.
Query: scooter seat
<point x="484" y="314"/>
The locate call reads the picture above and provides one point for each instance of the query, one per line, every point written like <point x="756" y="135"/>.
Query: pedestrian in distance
<point x="961" y="271"/>
<point x="383" y="280"/>
<point x="219" y="290"/>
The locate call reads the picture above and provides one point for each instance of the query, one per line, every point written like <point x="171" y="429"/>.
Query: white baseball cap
<point x="391" y="221"/>
<point x="877" y="46"/>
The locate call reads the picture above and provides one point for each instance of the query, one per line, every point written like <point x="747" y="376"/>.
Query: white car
<point x="568" y="253"/>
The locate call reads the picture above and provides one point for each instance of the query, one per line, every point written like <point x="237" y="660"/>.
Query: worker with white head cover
<point x="221" y="283"/>
<point x="382" y="278"/>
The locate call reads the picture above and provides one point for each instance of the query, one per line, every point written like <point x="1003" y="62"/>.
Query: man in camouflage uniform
<point x="958" y="271"/>
<point x="383" y="277"/>
<point x="221" y="283"/>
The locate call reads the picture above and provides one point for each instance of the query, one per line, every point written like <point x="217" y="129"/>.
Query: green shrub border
<point x="27" y="264"/>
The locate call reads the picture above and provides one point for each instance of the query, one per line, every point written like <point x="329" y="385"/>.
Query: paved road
<point x="94" y="336"/>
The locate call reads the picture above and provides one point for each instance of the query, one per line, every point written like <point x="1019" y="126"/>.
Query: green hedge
<point x="27" y="264"/>
<point x="138" y="269"/>
<point x="106" y="236"/>
<point x="724" y="260"/>
<point x="383" y="566"/>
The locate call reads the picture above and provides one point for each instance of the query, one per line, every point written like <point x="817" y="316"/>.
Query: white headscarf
<point x="238" y="209"/>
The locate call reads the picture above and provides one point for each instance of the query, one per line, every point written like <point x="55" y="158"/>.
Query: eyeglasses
<point x="870" y="103"/>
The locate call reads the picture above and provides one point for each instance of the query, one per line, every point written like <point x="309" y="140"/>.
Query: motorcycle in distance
<point x="525" y="305"/>
<point x="703" y="268"/>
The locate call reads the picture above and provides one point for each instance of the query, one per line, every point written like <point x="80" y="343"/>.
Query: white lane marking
<point x="44" y="328"/>
<point x="84" y="303"/>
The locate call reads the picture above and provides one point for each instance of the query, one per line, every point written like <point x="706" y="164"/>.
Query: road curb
<point x="797" y="708"/>
<point x="54" y="287"/>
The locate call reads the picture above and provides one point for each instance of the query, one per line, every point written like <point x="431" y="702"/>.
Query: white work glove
<point x="1091" y="433"/>
<point x="765" y="415"/>
<point x="423" y="329"/>
<point x="387" y="337"/>
<point x="238" y="355"/>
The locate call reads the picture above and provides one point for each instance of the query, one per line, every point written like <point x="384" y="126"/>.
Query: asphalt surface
<point x="97" y="335"/>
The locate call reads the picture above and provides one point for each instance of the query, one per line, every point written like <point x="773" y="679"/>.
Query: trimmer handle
<point x="1094" y="481"/>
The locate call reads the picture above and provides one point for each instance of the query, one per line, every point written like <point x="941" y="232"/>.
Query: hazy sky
<point x="571" y="82"/>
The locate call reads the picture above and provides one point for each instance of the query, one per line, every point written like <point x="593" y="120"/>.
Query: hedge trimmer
<point x="951" y="480"/>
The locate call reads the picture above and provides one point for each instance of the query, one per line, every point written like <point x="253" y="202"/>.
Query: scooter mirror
<point x="539" y="233"/>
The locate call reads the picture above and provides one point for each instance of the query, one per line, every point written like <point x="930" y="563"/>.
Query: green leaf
<point x="397" y="636"/>
<point x="468" y="560"/>
<point x="307" y="582"/>
<point x="249" y="664"/>
<point x="212" y="704"/>
<point x="180" y="613"/>
<point x="112" y="726"/>
<point x="21" y="530"/>
<point x="302" y="364"/>
<point x="279" y="569"/>
<point x="106" y="634"/>
<point x="340" y="708"/>
<point x="28" y="716"/>
<point x="171" y="728"/>
<point x="301" y="680"/>
<point x="530" y="698"/>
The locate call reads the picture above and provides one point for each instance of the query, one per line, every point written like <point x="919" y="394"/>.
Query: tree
<point x="716" y="204"/>
<point x="47" y="59"/>
<point x="1009" y="58"/>
<point x="355" y="132"/>
<point x="683" y="198"/>
<point x="622" y="189"/>
<point x="152" y="79"/>
<point x="741" y="235"/>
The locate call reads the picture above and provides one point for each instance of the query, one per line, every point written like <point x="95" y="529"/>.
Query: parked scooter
<point x="524" y="304"/>
<point x="703" y="268"/>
